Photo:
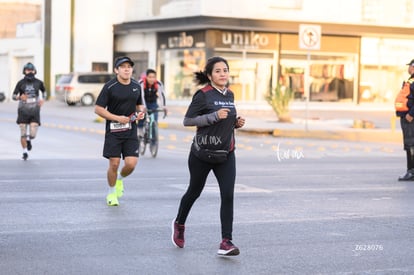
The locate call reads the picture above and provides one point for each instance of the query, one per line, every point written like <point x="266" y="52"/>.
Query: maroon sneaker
<point x="227" y="248"/>
<point x="177" y="235"/>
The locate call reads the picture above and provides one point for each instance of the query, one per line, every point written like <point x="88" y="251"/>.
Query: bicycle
<point x="150" y="133"/>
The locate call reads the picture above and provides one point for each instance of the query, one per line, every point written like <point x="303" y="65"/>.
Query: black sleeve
<point x="102" y="99"/>
<point x="140" y="97"/>
<point x="17" y="88"/>
<point x="197" y="105"/>
<point x="43" y="90"/>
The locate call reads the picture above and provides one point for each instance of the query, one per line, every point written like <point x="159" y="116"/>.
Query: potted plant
<point x="280" y="100"/>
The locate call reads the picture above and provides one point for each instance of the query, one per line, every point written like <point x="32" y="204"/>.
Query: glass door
<point x="251" y="75"/>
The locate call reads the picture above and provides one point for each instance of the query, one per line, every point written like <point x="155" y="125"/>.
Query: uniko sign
<point x="218" y="39"/>
<point x="245" y="40"/>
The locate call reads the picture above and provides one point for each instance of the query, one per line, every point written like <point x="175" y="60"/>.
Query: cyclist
<point x="31" y="93"/>
<point x="153" y="95"/>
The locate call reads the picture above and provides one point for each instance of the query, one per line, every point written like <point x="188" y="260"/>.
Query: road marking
<point x="213" y="188"/>
<point x="336" y="217"/>
<point x="342" y="189"/>
<point x="245" y="144"/>
<point x="382" y="198"/>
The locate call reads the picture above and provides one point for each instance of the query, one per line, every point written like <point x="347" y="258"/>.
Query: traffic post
<point x="309" y="39"/>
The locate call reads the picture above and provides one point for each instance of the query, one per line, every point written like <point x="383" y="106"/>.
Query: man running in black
<point x="118" y="103"/>
<point x="31" y="93"/>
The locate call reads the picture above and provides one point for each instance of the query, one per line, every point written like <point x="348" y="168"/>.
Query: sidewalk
<point x="328" y="120"/>
<point x="340" y="121"/>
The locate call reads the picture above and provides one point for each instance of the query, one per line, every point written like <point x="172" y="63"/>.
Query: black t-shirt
<point x="30" y="86"/>
<point x="220" y="135"/>
<point x="120" y="99"/>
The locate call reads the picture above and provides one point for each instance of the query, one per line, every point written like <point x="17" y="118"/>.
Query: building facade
<point x="363" y="44"/>
<point x="20" y="41"/>
<point x="360" y="59"/>
<point x="57" y="36"/>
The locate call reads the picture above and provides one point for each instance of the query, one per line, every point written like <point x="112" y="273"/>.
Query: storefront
<point x="332" y="70"/>
<point x="354" y="63"/>
<point x="252" y="57"/>
<point x="254" y="63"/>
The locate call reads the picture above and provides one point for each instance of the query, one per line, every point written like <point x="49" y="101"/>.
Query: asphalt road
<point x="302" y="206"/>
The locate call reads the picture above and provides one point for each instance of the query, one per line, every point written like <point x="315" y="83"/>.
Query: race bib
<point x="119" y="127"/>
<point x="31" y="100"/>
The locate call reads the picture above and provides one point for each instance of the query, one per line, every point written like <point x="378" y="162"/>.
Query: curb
<point x="370" y="135"/>
<point x="357" y="135"/>
<point x="373" y="135"/>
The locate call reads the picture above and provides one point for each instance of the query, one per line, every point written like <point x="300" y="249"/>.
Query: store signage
<point x="181" y="41"/>
<point x="245" y="39"/>
<point x="218" y="39"/>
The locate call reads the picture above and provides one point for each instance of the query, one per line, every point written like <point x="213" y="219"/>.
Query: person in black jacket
<point x="407" y="127"/>
<point x="213" y="112"/>
<point x="153" y="92"/>
<point x="31" y="93"/>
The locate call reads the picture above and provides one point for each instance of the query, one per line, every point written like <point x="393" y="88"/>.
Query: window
<point x="99" y="66"/>
<point x="65" y="79"/>
<point x="98" y="78"/>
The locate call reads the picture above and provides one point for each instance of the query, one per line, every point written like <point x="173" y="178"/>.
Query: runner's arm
<point x="16" y="92"/>
<point x="202" y="120"/>
<point x="43" y="93"/>
<point x="104" y="113"/>
<point x="162" y="90"/>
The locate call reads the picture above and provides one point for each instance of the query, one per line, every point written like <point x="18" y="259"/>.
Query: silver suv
<point x="81" y="88"/>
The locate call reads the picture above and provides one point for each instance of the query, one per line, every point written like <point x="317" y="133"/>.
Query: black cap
<point x="411" y="63"/>
<point x="123" y="59"/>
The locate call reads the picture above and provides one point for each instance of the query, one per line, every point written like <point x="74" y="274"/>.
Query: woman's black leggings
<point x="226" y="175"/>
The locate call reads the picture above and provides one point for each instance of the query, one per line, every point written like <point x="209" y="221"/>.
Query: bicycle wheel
<point x="153" y="142"/>
<point x="141" y="145"/>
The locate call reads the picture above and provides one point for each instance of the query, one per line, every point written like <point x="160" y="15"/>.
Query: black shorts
<point x="28" y="113"/>
<point x="115" y="147"/>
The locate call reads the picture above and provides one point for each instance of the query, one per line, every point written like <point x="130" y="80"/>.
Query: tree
<point x="280" y="100"/>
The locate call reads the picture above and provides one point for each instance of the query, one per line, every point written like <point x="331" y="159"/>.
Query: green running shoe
<point x="119" y="188"/>
<point x="112" y="199"/>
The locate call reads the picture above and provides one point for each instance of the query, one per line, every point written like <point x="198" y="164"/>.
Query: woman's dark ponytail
<point x="201" y="78"/>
